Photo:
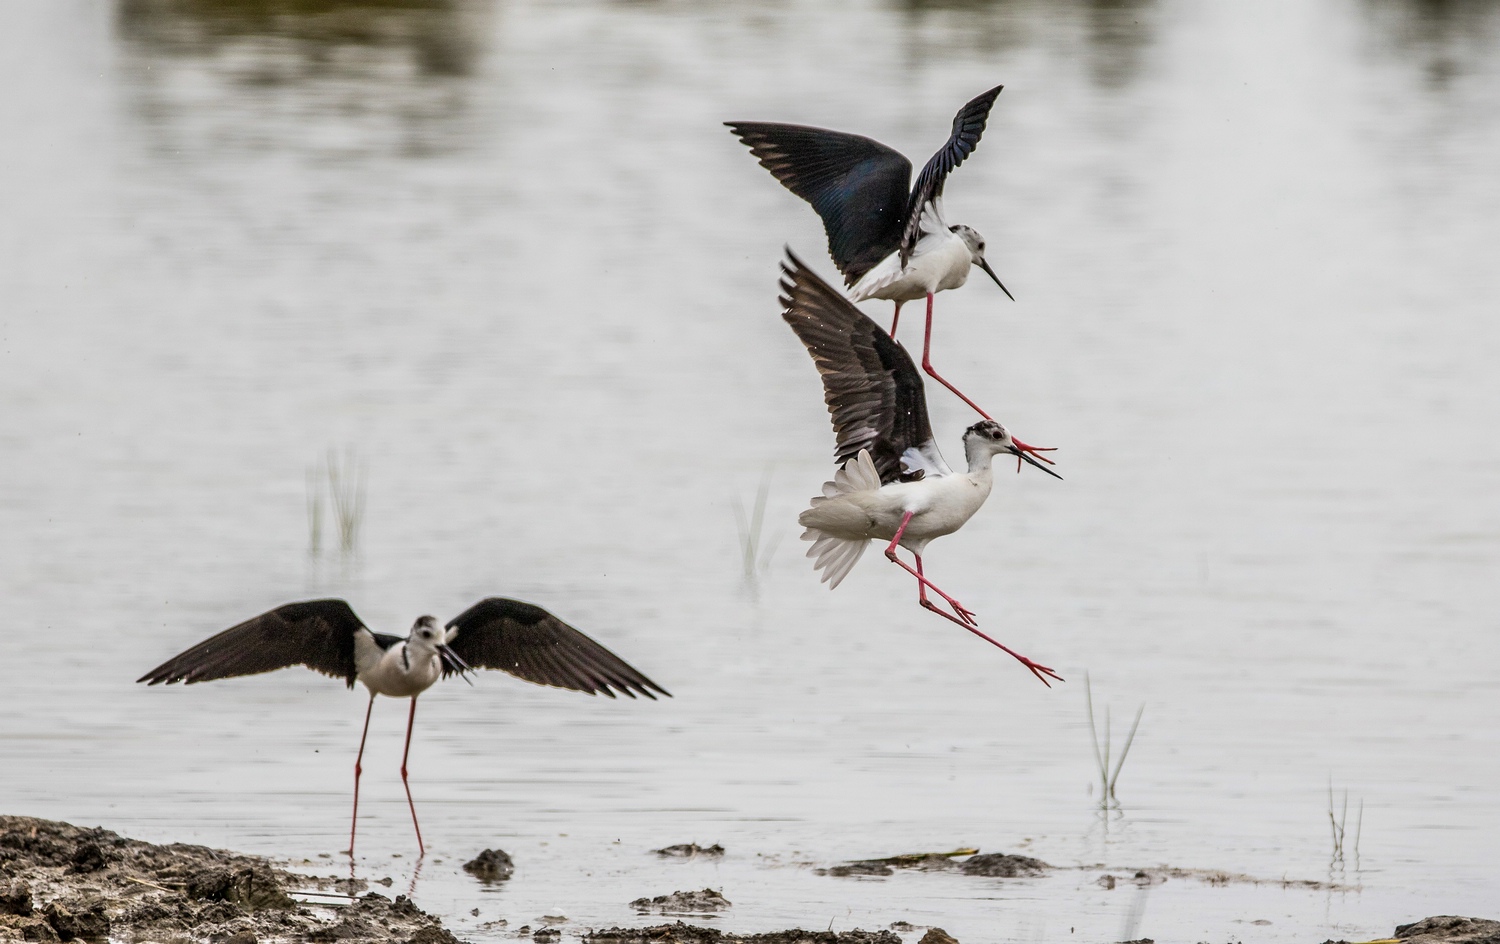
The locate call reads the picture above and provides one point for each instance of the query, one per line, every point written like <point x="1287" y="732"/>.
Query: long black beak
<point x="452" y="662"/>
<point x="991" y="273"/>
<point x="1028" y="457"/>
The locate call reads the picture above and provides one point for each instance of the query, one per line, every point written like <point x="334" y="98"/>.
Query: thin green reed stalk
<point x="346" y="484"/>
<point x="1099" y="760"/>
<point x="1108" y="778"/>
<point x="1129" y="740"/>
<point x="752" y="530"/>
<point x="314" y="511"/>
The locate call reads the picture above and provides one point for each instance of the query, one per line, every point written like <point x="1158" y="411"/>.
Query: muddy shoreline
<point x="60" y="882"/>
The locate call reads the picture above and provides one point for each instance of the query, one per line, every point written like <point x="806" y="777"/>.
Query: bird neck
<point x="980" y="457"/>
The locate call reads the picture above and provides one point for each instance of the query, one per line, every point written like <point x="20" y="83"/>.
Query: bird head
<point x="989" y="437"/>
<point x="975" y="242"/>
<point x="426" y="634"/>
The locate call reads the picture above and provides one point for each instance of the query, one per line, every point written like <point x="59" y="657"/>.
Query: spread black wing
<point x="872" y="388"/>
<point x="858" y="186"/>
<point x="968" y="125"/>
<point x="317" y="633"/>
<point x="532" y="644"/>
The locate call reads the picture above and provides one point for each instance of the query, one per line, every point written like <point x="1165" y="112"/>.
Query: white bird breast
<point x="402" y="671"/>
<point x="940" y="261"/>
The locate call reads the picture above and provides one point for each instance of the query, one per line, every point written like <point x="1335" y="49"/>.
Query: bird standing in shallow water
<point x="888" y="243"/>
<point x="893" y="484"/>
<point x="326" y="636"/>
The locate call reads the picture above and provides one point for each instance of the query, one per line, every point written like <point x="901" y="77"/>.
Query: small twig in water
<point x="141" y="881"/>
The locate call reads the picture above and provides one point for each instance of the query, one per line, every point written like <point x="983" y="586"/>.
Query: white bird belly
<point x="398" y="676"/>
<point x="939" y="262"/>
<point x="939" y="506"/>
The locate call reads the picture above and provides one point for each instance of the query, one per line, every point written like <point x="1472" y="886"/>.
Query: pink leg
<point x="965" y="617"/>
<point x="923" y="583"/>
<point x="927" y="366"/>
<point x="927" y="363"/>
<point x="1036" y="668"/>
<point x="354" y="819"/>
<point x="897" y="319"/>
<point x="412" y="717"/>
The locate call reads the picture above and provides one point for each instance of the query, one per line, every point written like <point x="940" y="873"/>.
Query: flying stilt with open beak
<point x="888" y="243"/>
<point x="892" y="484"/>
<point x="326" y="636"/>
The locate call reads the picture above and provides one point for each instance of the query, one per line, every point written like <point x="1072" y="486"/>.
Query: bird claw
<point x="965" y="617"/>
<point x="1040" y="671"/>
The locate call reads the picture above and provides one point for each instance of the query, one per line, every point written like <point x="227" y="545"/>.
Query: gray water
<point x="502" y="257"/>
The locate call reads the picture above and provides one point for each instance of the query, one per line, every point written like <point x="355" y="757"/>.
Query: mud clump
<point x="65" y="883"/>
<point x="252" y="888"/>
<point x="491" y="865"/>
<point x="681" y="933"/>
<point x="1450" y="929"/>
<point x="691" y="850"/>
<point x="1000" y="865"/>
<point x="683" y="902"/>
<point x="994" y="864"/>
<point x="16" y="900"/>
<point x="864" y="867"/>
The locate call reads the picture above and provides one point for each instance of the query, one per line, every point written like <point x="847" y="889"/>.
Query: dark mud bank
<point x="63" y="883"/>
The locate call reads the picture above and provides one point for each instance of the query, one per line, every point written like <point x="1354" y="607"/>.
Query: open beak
<point x="991" y="273"/>
<point x="1029" y="453"/>
<point x="454" y="663"/>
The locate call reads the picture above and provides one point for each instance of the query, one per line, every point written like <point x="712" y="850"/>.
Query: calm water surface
<point x="504" y="255"/>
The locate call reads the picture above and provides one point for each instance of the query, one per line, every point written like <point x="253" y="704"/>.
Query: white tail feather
<point x="835" y="556"/>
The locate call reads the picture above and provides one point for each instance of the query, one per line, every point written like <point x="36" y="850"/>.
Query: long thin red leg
<point x="965" y="617"/>
<point x="354" y="819"/>
<point x="410" y="719"/>
<point x="928" y="604"/>
<point x="1036" y="668"/>
<point x="922" y="582"/>
<point x="927" y="362"/>
<point x="897" y="319"/>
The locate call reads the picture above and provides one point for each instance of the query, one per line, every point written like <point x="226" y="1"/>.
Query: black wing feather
<point x="532" y="644"/>
<point x="968" y="126"/>
<point x="317" y="633"/>
<point x="858" y="186"/>
<point x="873" y="391"/>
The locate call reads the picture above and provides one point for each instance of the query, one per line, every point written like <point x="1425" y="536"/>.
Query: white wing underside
<point x="835" y="556"/>
<point x="890" y="270"/>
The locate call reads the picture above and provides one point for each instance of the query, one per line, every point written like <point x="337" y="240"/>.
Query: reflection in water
<point x="1447" y="39"/>
<point x="1116" y="33"/>
<point x="375" y="75"/>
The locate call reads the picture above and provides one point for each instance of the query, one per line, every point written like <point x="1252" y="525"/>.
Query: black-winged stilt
<point x="893" y="484"/>
<point x="887" y="242"/>
<point x="326" y="636"/>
